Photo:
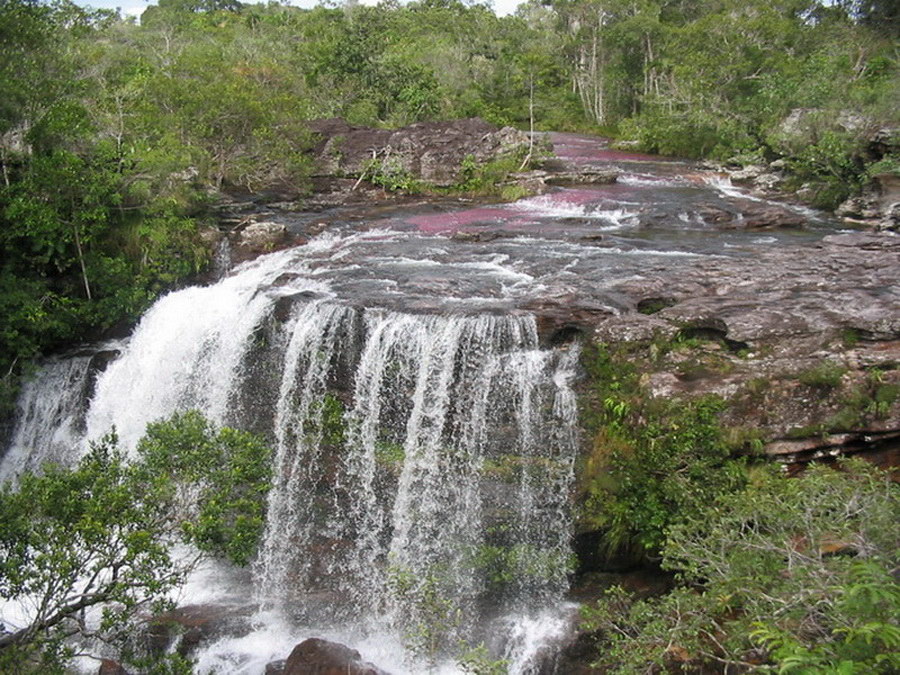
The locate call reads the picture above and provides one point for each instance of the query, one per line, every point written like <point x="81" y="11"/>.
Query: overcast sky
<point x="135" y="7"/>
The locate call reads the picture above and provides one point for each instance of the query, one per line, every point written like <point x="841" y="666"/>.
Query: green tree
<point x="100" y="534"/>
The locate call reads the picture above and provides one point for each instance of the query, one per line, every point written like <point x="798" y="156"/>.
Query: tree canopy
<point x="798" y="573"/>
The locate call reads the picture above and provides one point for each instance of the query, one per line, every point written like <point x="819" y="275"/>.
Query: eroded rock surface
<point x="804" y="342"/>
<point x="432" y="152"/>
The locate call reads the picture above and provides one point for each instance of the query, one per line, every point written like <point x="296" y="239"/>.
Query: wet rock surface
<point x="321" y="657"/>
<point x="186" y="628"/>
<point x="803" y="343"/>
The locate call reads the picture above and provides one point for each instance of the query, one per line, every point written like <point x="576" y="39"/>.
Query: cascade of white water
<point x="422" y="462"/>
<point x="49" y="416"/>
<point x="298" y="509"/>
<point x="185" y="354"/>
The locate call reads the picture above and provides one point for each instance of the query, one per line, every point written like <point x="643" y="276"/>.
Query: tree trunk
<point x="84" y="277"/>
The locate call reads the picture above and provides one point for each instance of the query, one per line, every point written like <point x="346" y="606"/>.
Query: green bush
<point x="654" y="462"/>
<point x="824" y="375"/>
<point x="790" y="575"/>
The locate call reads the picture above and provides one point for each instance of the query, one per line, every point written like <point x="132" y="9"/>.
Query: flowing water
<point x="420" y="407"/>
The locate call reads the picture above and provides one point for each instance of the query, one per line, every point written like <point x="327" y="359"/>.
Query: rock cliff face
<point x="878" y="204"/>
<point x="432" y="152"/>
<point x="803" y="343"/>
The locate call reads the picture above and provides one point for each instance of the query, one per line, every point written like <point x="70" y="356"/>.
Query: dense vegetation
<point x="114" y="135"/>
<point x="787" y="575"/>
<point x="791" y="575"/>
<point x="88" y="549"/>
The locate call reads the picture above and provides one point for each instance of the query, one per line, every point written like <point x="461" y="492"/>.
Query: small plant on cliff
<point x="789" y="575"/>
<point x="389" y="174"/>
<point x="430" y="618"/>
<point x="824" y="375"/>
<point x="488" y="178"/>
<point x="88" y="549"/>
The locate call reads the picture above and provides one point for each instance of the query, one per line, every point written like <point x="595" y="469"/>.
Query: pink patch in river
<point x="450" y="222"/>
<point x="587" y="149"/>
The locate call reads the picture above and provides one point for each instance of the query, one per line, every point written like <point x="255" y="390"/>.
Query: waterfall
<point x="49" y="416"/>
<point x="422" y="462"/>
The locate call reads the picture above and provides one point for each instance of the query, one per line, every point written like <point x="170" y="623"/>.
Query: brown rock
<point x="110" y="667"/>
<point x="432" y="152"/>
<point x="772" y="217"/>
<point x="316" y="656"/>
<point x="189" y="626"/>
<point x="261" y="237"/>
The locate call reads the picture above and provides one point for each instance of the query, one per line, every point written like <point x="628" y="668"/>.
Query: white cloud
<point x="506" y="7"/>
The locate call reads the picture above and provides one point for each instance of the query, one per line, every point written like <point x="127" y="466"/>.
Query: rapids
<point x="420" y="404"/>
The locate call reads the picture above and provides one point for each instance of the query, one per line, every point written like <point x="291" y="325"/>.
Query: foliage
<point x="431" y="621"/>
<point x="389" y="174"/>
<point x="522" y="564"/>
<point x="825" y="375"/>
<point x="89" y="548"/>
<point x="655" y="461"/>
<point x="488" y="178"/>
<point x="889" y="164"/>
<point x="795" y="573"/>
<point x="431" y="618"/>
<point x="231" y="471"/>
<point x="478" y="661"/>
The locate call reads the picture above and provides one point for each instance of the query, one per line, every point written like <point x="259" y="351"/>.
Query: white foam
<point x="552" y="206"/>
<point x="647" y="180"/>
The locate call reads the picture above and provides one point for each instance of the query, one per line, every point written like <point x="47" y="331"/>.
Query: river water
<point x="420" y="405"/>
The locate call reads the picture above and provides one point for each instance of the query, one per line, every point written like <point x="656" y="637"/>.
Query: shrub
<point x="791" y="572"/>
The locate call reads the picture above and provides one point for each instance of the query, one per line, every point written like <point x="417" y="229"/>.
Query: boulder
<point x="890" y="220"/>
<point x="878" y="205"/>
<point x="316" y="656"/>
<point x="262" y="237"/>
<point x="761" y="216"/>
<point x="110" y="667"/>
<point x="585" y="176"/>
<point x="747" y="174"/>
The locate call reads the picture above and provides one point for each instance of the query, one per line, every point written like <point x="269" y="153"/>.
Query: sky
<point x="135" y="7"/>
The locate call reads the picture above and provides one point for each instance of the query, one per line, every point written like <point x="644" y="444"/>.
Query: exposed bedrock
<point x="429" y="151"/>
<point x="804" y="343"/>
